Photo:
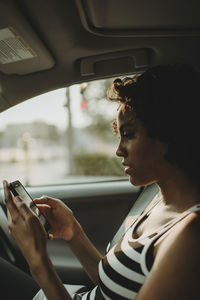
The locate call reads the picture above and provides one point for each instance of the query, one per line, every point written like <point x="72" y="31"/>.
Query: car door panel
<point x="100" y="208"/>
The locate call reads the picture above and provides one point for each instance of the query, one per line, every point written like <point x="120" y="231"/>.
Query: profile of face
<point x="143" y="157"/>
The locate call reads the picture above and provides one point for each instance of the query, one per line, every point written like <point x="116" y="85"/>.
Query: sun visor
<point x="21" y="50"/>
<point x="140" y="18"/>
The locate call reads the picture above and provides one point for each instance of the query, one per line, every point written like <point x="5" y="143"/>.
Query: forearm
<point x="47" y="278"/>
<point x="86" y="253"/>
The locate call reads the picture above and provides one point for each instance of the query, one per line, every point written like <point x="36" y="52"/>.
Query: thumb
<point x="46" y="200"/>
<point x="44" y="209"/>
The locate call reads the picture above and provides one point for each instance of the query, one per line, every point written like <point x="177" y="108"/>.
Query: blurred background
<point x="64" y="136"/>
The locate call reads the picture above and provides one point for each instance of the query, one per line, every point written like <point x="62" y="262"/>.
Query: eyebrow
<point x="126" y="125"/>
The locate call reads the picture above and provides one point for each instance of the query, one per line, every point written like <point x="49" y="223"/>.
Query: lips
<point x="128" y="168"/>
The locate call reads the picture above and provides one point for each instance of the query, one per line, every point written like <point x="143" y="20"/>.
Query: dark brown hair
<point x="166" y="101"/>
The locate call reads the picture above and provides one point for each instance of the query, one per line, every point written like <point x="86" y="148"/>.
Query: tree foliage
<point x="99" y="109"/>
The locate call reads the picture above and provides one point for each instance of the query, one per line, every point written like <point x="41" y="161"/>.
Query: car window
<point x="64" y="136"/>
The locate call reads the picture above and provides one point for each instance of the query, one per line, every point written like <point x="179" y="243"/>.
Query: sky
<point x="48" y="107"/>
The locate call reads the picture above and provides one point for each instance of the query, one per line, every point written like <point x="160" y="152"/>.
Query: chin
<point x="139" y="182"/>
<point x="134" y="181"/>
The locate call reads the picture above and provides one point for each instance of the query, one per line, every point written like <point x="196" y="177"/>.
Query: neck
<point x="178" y="191"/>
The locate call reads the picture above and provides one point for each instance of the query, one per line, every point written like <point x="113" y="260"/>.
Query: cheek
<point x="137" y="150"/>
<point x="142" y="153"/>
<point x="136" y="155"/>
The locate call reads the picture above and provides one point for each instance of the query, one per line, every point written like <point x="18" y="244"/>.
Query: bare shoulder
<point x="192" y="222"/>
<point x="176" y="270"/>
<point x="189" y="228"/>
<point x="182" y="240"/>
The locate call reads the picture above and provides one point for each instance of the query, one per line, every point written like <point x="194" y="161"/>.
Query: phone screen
<point x="19" y="190"/>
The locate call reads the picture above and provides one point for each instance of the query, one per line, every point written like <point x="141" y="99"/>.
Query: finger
<point x="9" y="217"/>
<point x="46" y="200"/>
<point x="7" y="193"/>
<point x="50" y="236"/>
<point x="44" y="208"/>
<point x="17" y="200"/>
<point x="11" y="206"/>
<point x="25" y="210"/>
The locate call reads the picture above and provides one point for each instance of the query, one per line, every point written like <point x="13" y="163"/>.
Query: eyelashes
<point x="122" y="133"/>
<point x="127" y="134"/>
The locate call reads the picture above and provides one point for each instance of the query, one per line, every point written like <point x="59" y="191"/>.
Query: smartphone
<point x="18" y="189"/>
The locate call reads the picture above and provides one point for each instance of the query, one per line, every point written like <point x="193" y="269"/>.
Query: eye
<point x="127" y="134"/>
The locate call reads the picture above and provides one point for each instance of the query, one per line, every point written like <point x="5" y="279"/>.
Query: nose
<point x="121" y="151"/>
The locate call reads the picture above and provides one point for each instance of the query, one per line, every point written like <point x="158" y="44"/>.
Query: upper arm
<point x="176" y="270"/>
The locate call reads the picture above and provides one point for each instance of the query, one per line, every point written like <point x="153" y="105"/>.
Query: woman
<point x="158" y="257"/>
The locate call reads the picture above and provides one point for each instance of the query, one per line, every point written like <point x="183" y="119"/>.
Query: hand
<point x="60" y="217"/>
<point x="25" y="228"/>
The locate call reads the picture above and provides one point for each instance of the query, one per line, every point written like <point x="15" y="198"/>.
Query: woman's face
<point x="143" y="157"/>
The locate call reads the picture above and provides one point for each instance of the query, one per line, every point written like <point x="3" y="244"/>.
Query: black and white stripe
<point x="120" y="273"/>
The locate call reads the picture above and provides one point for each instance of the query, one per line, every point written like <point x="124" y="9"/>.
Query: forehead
<point x="125" y="116"/>
<point x="128" y="118"/>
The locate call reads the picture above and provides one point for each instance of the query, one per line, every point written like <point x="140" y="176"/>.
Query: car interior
<point x="48" y="45"/>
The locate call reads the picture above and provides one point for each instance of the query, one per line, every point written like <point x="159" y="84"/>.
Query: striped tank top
<point x="125" y="267"/>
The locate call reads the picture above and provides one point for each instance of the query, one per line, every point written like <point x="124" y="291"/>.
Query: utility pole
<point x="70" y="137"/>
<point x="26" y="142"/>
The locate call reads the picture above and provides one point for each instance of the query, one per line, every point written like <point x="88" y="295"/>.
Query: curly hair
<point x="165" y="99"/>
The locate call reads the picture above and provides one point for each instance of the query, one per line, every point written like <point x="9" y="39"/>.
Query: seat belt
<point x="144" y="199"/>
